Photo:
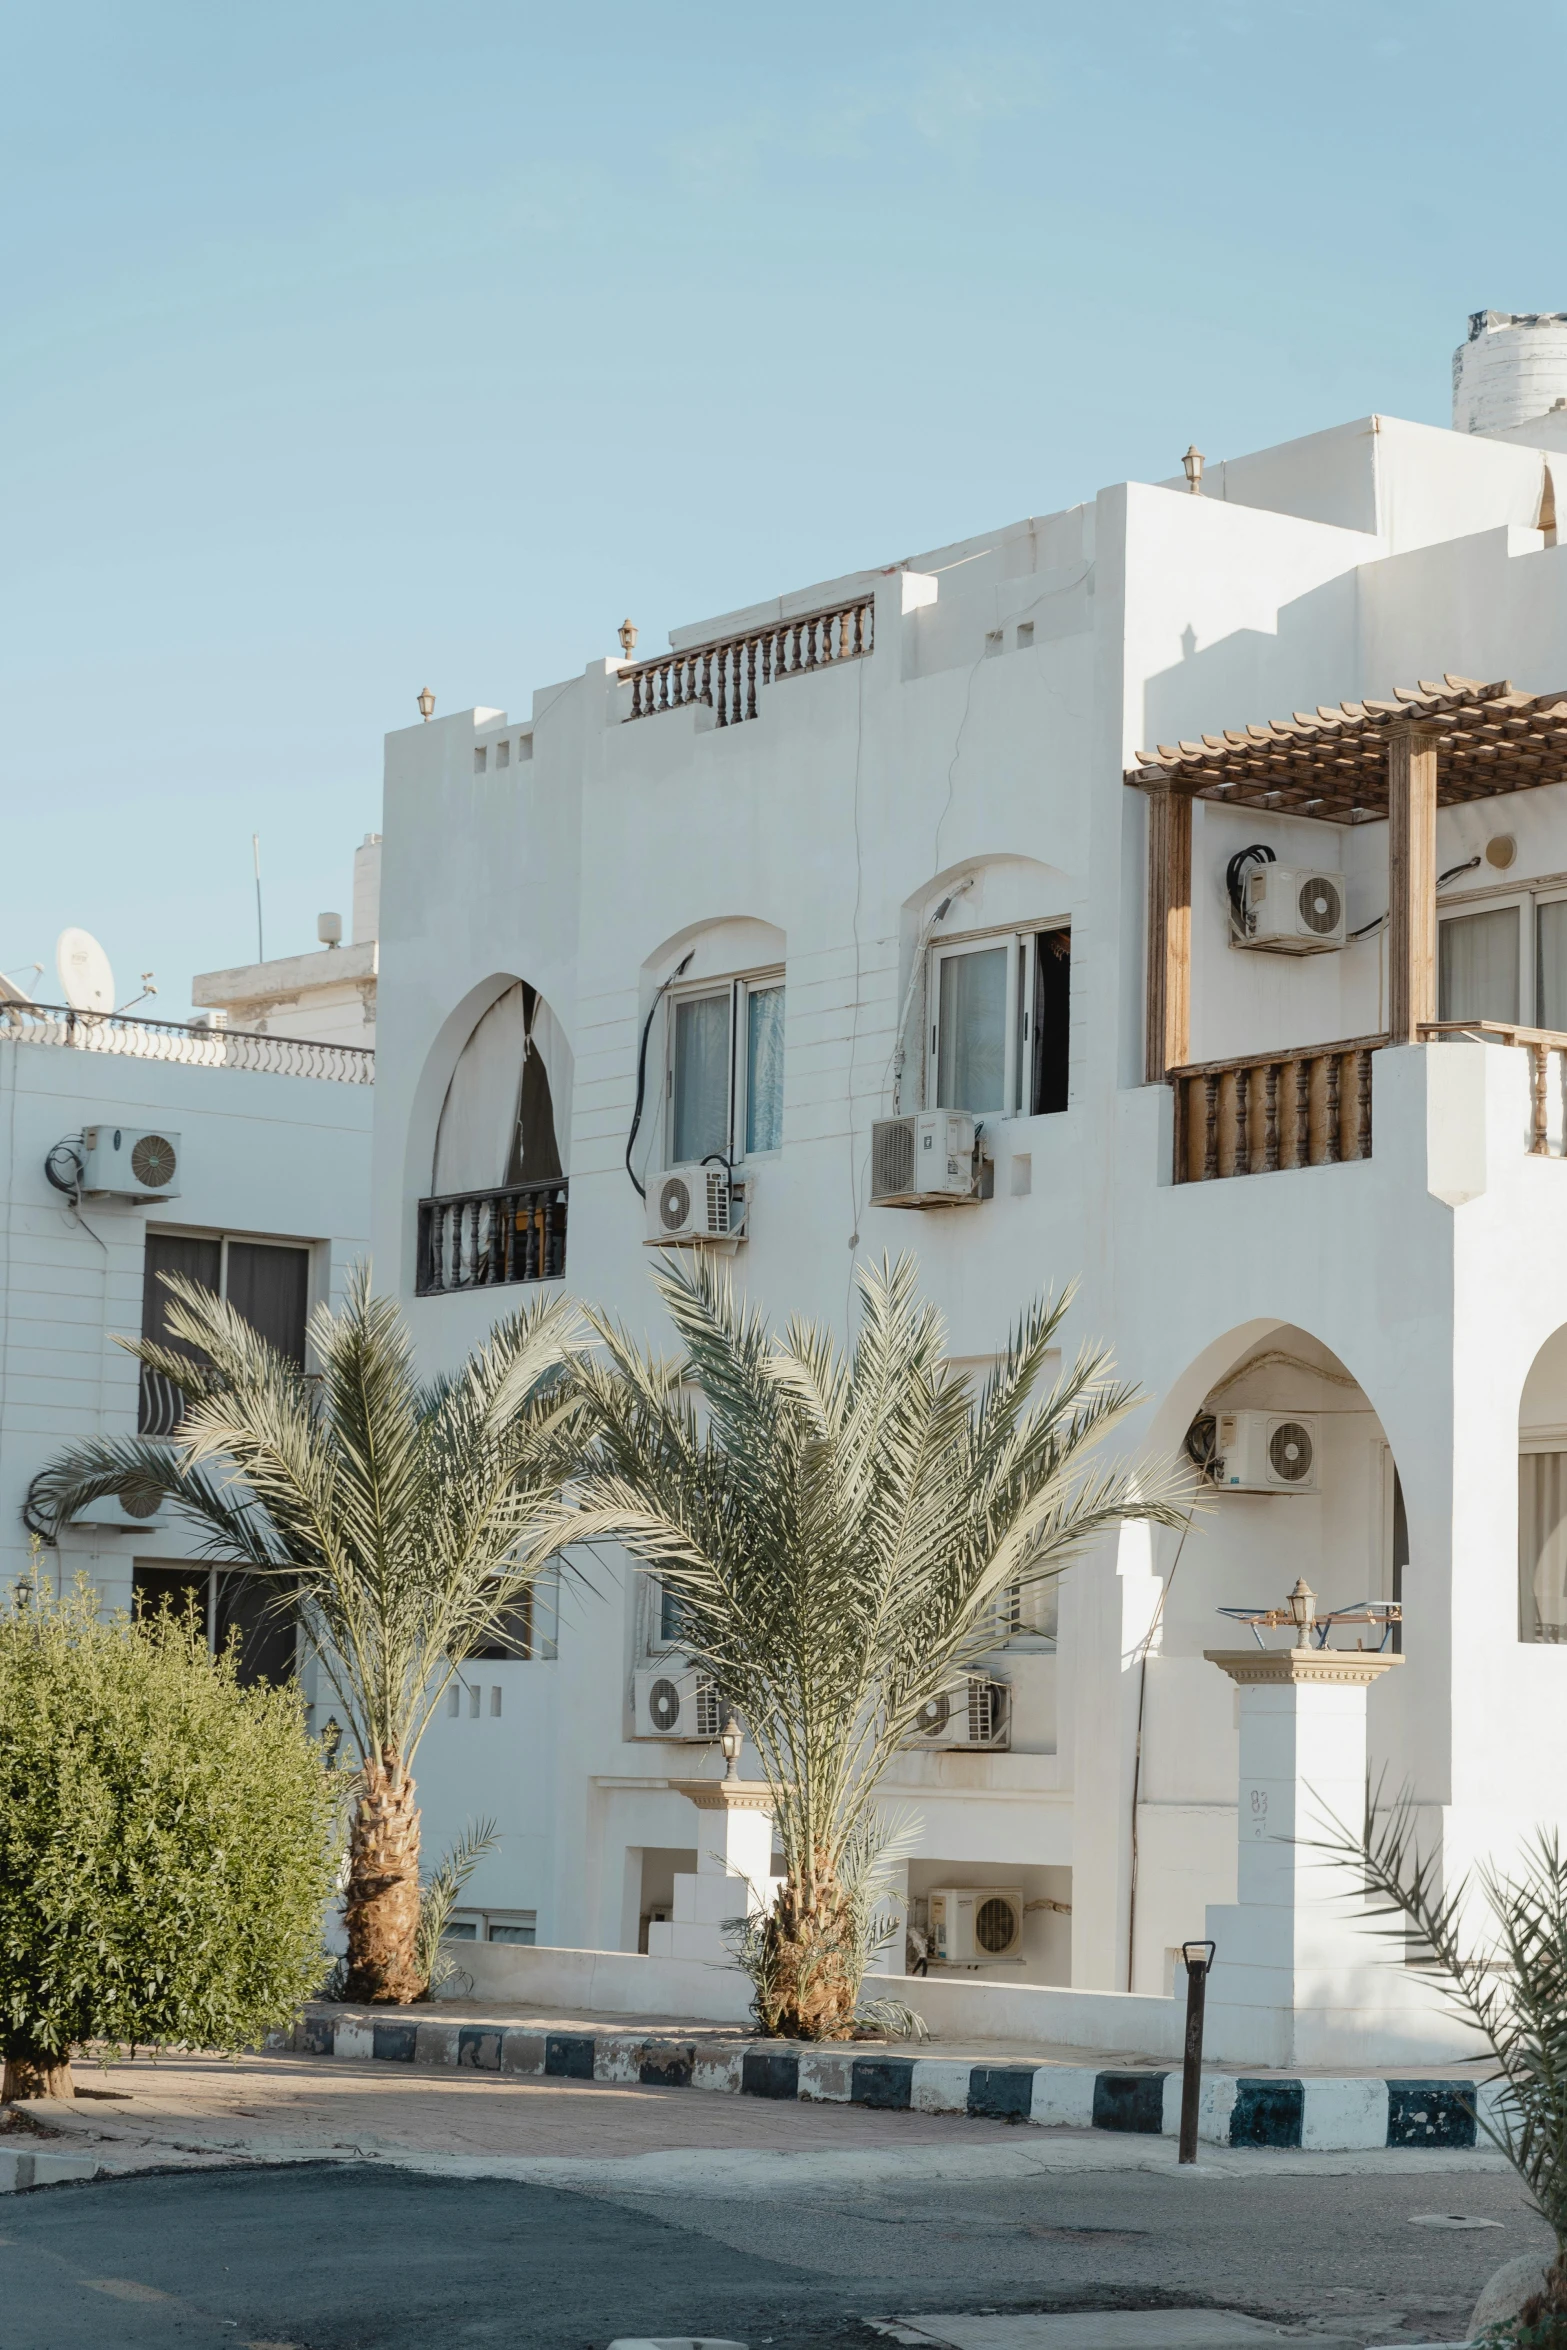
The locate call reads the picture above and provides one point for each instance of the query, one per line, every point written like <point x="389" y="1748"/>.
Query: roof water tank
<point x="1512" y="368"/>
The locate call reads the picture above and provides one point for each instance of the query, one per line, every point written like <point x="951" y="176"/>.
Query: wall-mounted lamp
<point x="1192" y="462"/>
<point x="331" y="1740"/>
<point x="730" y="1742"/>
<point x="426" y="705"/>
<point x="627" y="633"/>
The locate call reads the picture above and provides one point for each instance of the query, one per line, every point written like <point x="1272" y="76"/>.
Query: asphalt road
<point x="358" y="2258"/>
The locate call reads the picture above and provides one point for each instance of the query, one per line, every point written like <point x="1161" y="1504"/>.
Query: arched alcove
<point x="985" y="1008"/>
<point x="1542" y="1496"/>
<point x="506" y="1115"/>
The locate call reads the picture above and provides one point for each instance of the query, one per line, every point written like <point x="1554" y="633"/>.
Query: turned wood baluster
<point x="1300" y="1153"/>
<point x="1363" y="1105"/>
<point x="1210" y="1128"/>
<point x="1270" y="1118"/>
<point x="1537" y="1123"/>
<point x="723" y="685"/>
<point x="750" y="677"/>
<point x="1333" y="1147"/>
<point x="1242" y="1164"/>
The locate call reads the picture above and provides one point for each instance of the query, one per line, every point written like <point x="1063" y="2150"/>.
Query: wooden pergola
<point x="1434" y="745"/>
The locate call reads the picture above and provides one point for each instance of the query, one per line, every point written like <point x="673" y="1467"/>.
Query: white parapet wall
<point x="620" y="1982"/>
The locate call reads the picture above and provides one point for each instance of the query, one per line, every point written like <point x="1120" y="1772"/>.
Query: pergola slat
<point x="1488" y="739"/>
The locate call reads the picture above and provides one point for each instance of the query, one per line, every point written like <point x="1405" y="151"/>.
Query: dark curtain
<point x="172" y="1252"/>
<point x="270" y="1287"/>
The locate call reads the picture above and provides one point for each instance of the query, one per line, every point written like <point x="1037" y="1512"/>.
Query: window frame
<point x="1021" y="939"/>
<point x="1523" y="902"/>
<point x="738" y="989"/>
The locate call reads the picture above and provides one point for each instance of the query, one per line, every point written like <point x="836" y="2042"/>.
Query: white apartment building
<point x="130" y="1147"/>
<point x="1130" y="838"/>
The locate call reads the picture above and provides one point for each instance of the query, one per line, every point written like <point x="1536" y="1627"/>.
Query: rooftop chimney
<point x="1512" y="369"/>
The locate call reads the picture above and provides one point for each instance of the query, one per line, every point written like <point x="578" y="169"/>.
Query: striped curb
<point x="20" y="2171"/>
<point x="1321" y="2115"/>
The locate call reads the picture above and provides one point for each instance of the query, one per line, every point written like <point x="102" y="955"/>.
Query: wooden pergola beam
<point x="1411" y="875"/>
<point x="1168" y="1017"/>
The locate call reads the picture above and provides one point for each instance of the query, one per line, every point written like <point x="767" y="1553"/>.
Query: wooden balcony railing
<point x="1262" y="1112"/>
<point x="484" y="1239"/>
<point x="1546" y="1135"/>
<point x="723" y="676"/>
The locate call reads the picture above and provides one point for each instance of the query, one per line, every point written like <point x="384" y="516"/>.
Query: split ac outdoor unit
<point x="688" y="1205"/>
<point x="1293" y="910"/>
<point x="974" y="1926"/>
<point x="116" y="1513"/>
<point x="126" y="1162"/>
<point x="674" y="1701"/>
<point x="972" y="1712"/>
<point x="923" y="1160"/>
<point x="1265" y="1452"/>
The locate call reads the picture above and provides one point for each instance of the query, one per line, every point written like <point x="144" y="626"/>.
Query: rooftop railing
<point x="182" y="1041"/>
<point x="724" y="676"/>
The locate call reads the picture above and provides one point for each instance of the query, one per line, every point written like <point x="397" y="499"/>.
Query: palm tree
<point x="402" y="1524"/>
<point x="1507" y="1982"/>
<point x="839" y="1534"/>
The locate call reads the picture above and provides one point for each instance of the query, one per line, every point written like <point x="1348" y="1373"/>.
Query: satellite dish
<point x="85" y="977"/>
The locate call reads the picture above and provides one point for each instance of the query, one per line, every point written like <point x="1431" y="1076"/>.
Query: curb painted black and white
<point x="1324" y="2115"/>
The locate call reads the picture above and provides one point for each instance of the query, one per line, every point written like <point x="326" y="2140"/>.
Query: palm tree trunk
<point x="813" y="1965"/>
<point x="36" y="2072"/>
<point x="382" y="1910"/>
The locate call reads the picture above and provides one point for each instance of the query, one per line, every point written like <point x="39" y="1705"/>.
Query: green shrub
<point x="168" y="1840"/>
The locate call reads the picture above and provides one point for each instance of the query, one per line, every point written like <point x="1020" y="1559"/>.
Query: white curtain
<point x="473" y="1142"/>
<point x="1550" y="1001"/>
<point x="700" y="1121"/>
<point x="1478" y="966"/>
<point x="764" y="1014"/>
<point x="547" y="1038"/>
<point x="1542" y="1546"/>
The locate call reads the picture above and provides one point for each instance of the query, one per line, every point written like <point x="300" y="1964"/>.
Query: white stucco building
<point x="132" y="1146"/>
<point x="907" y="840"/>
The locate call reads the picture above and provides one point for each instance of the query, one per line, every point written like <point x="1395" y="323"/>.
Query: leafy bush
<point x="168" y="1841"/>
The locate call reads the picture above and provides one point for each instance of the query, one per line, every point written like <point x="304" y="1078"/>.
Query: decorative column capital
<point x="1353" y="1668"/>
<point x="725" y="1794"/>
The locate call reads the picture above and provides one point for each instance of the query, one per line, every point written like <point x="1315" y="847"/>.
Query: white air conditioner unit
<point x="972" y="1712"/>
<point x="128" y="1162"/>
<point x="121" y="1513"/>
<point x="688" y="1205"/>
<point x="1265" y="1452"/>
<point x="674" y="1701"/>
<point x="922" y="1160"/>
<point x="1293" y="910"/>
<point x="976" y="1925"/>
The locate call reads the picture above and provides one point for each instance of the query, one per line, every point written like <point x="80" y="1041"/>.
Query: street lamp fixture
<point x="1192" y="462"/>
<point x="426" y="705"/>
<point x="1302" y="1604"/>
<point x="627" y="634"/>
<point x="730" y="1742"/>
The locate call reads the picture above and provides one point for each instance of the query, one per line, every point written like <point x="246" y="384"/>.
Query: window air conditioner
<point x="674" y="1701"/>
<point x="922" y="1160"/>
<point x="976" y="1925"/>
<point x="125" y="1162"/>
<point x="1292" y="910"/>
<point x="1265" y="1452"/>
<point x="973" y="1712"/>
<point x="688" y="1205"/>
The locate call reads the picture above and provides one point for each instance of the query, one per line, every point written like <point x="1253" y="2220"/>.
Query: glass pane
<point x="1542" y="1546"/>
<point x="1478" y="966"/>
<point x="524" y="1934"/>
<point x="764" y="1069"/>
<point x="971" y="1048"/>
<point x="700" y="1121"/>
<point x="1550" y="936"/>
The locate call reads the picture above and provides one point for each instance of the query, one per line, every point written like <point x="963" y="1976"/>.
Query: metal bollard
<point x="1199" y="1957"/>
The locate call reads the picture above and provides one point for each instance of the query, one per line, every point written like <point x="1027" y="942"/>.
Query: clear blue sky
<point x="349" y="349"/>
